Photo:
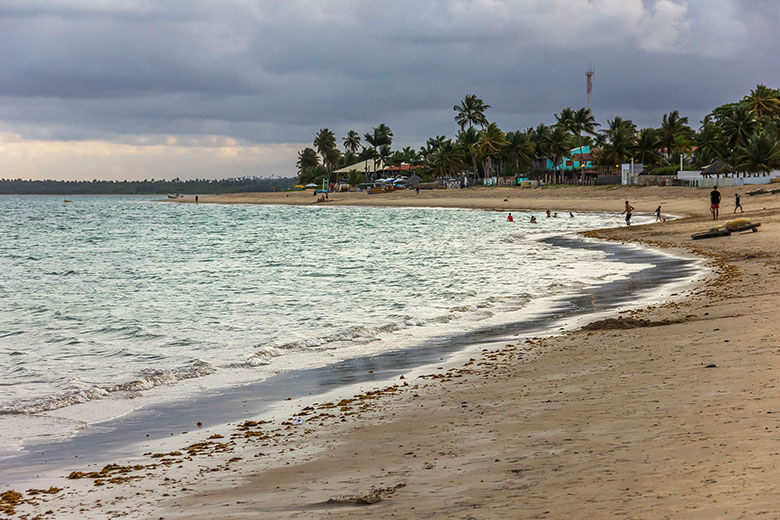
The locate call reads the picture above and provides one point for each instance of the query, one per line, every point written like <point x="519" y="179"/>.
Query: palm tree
<point x="540" y="136"/>
<point x="604" y="158"/>
<point x="379" y="137"/>
<point x="431" y="145"/>
<point x="711" y="144"/>
<point x="619" y="122"/>
<point x="471" y="112"/>
<point x="681" y="148"/>
<point x="307" y="158"/>
<point x="646" y="146"/>
<point x="324" y="142"/>
<point x="384" y="152"/>
<point x="352" y="142"/>
<point x="467" y="139"/>
<point x="519" y="149"/>
<point x="448" y="159"/>
<point x="491" y="141"/>
<point x="332" y="159"/>
<point x="348" y="159"/>
<point x="622" y="141"/>
<point x="566" y="120"/>
<point x="763" y="101"/>
<point x="559" y="146"/>
<point x="738" y="124"/>
<point x="583" y="121"/>
<point x="673" y="126"/>
<point x="761" y="154"/>
<point x="617" y="141"/>
<point x="406" y="155"/>
<point x="384" y="133"/>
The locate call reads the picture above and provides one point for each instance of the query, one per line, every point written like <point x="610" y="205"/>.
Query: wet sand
<point x="666" y="412"/>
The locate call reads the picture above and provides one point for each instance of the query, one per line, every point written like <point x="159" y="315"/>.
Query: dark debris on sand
<point x="627" y="323"/>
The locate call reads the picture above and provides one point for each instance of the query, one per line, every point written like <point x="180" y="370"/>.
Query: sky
<point x="141" y="89"/>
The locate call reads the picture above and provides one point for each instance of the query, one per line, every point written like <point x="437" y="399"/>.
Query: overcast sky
<point x="133" y="89"/>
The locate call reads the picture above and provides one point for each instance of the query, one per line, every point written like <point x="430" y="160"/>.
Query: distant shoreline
<point x="673" y="199"/>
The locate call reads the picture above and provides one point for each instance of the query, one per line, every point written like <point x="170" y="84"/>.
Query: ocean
<point x="112" y="304"/>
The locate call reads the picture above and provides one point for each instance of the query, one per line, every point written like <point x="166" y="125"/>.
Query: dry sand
<point x="675" y="200"/>
<point x="667" y="412"/>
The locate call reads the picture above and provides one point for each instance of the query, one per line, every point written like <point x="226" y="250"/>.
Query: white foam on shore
<point x="65" y="415"/>
<point x="284" y="409"/>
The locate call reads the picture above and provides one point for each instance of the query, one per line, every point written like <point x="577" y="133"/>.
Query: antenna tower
<point x="589" y="74"/>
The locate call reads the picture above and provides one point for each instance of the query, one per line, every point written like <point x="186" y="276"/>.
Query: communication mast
<point x="589" y="74"/>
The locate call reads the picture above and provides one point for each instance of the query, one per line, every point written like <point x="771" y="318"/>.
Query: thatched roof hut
<point x="717" y="167"/>
<point x="413" y="180"/>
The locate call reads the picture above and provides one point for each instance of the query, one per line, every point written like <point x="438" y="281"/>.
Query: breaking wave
<point x="367" y="334"/>
<point x="147" y="380"/>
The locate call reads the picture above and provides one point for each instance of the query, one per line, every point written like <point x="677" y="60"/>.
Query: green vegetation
<point x="145" y="187"/>
<point x="745" y="134"/>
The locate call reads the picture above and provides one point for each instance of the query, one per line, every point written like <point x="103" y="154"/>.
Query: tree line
<point x="144" y="187"/>
<point x="745" y="134"/>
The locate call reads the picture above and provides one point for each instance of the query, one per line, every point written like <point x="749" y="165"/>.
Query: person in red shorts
<point x="714" y="202"/>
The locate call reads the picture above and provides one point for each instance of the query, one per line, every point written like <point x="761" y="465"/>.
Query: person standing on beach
<point x="629" y="209"/>
<point x="196" y="199"/>
<point x="658" y="213"/>
<point x="714" y="202"/>
<point x="509" y="218"/>
<point x="738" y="204"/>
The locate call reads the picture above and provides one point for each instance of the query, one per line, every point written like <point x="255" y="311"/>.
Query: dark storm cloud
<point x="273" y="72"/>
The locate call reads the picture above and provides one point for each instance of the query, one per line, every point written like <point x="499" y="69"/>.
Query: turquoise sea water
<point x="106" y="298"/>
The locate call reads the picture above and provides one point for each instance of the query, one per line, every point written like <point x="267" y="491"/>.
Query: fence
<point x="695" y="178"/>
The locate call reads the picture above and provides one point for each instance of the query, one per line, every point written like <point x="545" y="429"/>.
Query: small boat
<point x="177" y="196"/>
<point x="66" y="200"/>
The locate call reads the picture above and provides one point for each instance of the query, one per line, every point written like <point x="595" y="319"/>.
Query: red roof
<point x="403" y="167"/>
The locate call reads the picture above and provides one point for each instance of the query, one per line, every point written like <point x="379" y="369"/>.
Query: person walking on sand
<point x="658" y="213"/>
<point x="509" y="218"/>
<point x="738" y="204"/>
<point x="629" y="209"/>
<point x="714" y="202"/>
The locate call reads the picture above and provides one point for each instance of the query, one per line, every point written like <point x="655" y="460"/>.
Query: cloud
<point x="268" y="73"/>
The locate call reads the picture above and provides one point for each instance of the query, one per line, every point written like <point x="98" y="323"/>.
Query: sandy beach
<point x="670" y="411"/>
<point x="674" y="200"/>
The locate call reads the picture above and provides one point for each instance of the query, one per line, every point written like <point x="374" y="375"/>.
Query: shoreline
<point x="613" y="383"/>
<point x="673" y="199"/>
<point x="220" y="406"/>
<point x="211" y="374"/>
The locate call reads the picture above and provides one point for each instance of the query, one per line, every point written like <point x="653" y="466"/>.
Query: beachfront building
<point x="403" y="169"/>
<point x="719" y="173"/>
<point x="367" y="167"/>
<point x="577" y="159"/>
